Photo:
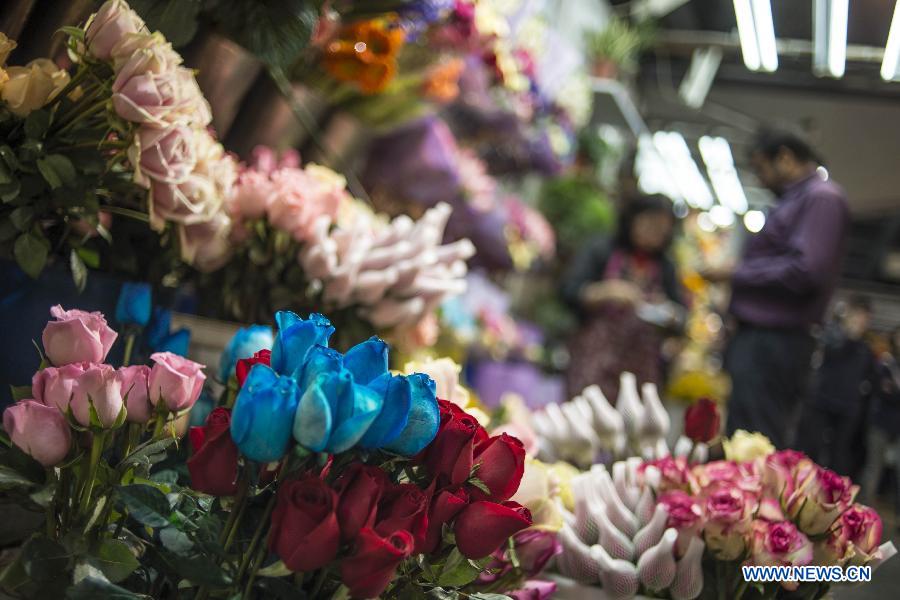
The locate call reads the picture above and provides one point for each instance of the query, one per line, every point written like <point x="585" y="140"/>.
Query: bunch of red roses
<point x="361" y="521"/>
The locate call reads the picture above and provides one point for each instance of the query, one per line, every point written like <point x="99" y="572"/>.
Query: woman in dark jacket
<point x="884" y="425"/>
<point x="627" y="294"/>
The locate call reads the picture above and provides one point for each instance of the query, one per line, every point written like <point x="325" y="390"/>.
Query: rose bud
<point x="779" y="472"/>
<point x="701" y="421"/>
<point x="861" y="526"/>
<point x="373" y="564"/>
<point x="175" y="381"/>
<point x="246" y="344"/>
<point x="54" y="386"/>
<point x="360" y="488"/>
<point x="136" y="392"/>
<point x="451" y="455"/>
<point x="242" y="366"/>
<point x="134" y="304"/>
<point x="819" y="499"/>
<point x="295" y="338"/>
<point x="535" y="548"/>
<point x="305" y="533"/>
<point x="445" y="505"/>
<point x="101" y="387"/>
<point x="39" y="431"/>
<point x="501" y="461"/>
<point x="728" y="522"/>
<point x="263" y="415"/>
<point x="483" y="526"/>
<point x="77" y="336"/>
<point x="405" y="506"/>
<point x="108" y="25"/>
<point x="214" y="464"/>
<point x="779" y="544"/>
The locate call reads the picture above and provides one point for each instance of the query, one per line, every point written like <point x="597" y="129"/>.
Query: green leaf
<point x="149" y="453"/>
<point x="276" y="31"/>
<point x="5" y="175"/>
<point x="22" y="217"/>
<point x="79" y="270"/>
<point x="95" y="588"/>
<point x="10" y="478"/>
<point x="49" y="173"/>
<point x="44" y="559"/>
<point x="176" y="19"/>
<point x="474" y="481"/>
<point x="74" y="32"/>
<point x="442" y="594"/>
<point x="7" y="231"/>
<point x="20" y="392"/>
<point x="200" y="570"/>
<point x="489" y="596"/>
<point x="10" y="191"/>
<point x="37" y="123"/>
<point x="30" y="251"/>
<point x="44" y="496"/>
<point x="276" y="569"/>
<point x="115" y="559"/>
<point x="458" y="571"/>
<point x="146" y="504"/>
<point x="176" y="541"/>
<point x="63" y="167"/>
<point x="9" y="157"/>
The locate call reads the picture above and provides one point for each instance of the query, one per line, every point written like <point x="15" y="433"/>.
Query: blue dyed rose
<point x="295" y="338"/>
<point x="244" y="344"/>
<point x="134" y="304"/>
<point x="263" y="414"/>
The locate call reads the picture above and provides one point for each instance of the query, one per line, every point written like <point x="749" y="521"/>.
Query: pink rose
<point x="175" y="381"/>
<point x="862" y="527"/>
<point x="779" y="544"/>
<point x="820" y="497"/>
<point x="778" y="472"/>
<point x="770" y="510"/>
<point x="107" y="26"/>
<point x="77" y="336"/>
<point x="252" y="195"/>
<point x="100" y="386"/>
<point x="207" y="245"/>
<point x="674" y="473"/>
<point x="685" y="515"/>
<point x="534" y="589"/>
<point x="158" y="98"/>
<point x="135" y="390"/>
<point x="727" y="521"/>
<point x="54" y="386"/>
<point x="38" y="430"/>
<point x="163" y="155"/>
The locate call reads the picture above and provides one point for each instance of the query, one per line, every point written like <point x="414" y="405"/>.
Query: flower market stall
<point x="292" y="292"/>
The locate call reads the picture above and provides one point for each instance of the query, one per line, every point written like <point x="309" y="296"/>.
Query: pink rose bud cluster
<point x="79" y="382"/>
<point x="187" y="171"/>
<point x="397" y="272"/>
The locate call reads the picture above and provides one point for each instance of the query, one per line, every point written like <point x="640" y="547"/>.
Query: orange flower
<point x="365" y="53"/>
<point x="442" y="81"/>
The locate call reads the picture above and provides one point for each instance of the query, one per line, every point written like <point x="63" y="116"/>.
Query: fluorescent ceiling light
<point x="654" y="175"/>
<point x="757" y="34"/>
<point x="892" y="49"/>
<point x="700" y="75"/>
<point x="830" y="33"/>
<point x="677" y="157"/>
<point x="719" y="163"/>
<point x="754" y="220"/>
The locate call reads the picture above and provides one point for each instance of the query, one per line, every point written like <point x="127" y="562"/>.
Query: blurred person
<point x="626" y="294"/>
<point x="781" y="287"/>
<point x="833" y="420"/>
<point x="884" y="424"/>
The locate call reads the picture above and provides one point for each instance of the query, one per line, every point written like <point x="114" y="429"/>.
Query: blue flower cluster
<point x="330" y="402"/>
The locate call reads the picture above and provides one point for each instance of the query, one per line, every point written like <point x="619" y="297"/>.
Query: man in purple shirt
<point x="781" y="287"/>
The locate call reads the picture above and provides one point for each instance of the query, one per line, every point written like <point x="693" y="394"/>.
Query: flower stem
<point x="237" y="511"/>
<point x="320" y="581"/>
<point x="161" y="418"/>
<point x="260" y="556"/>
<point x="96" y="453"/>
<point x="129" y="346"/>
<point x="263" y="523"/>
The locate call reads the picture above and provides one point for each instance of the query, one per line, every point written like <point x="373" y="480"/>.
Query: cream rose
<point x="32" y="86"/>
<point x="744" y="446"/>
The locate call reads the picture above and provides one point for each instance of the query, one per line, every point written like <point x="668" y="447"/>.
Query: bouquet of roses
<point x="79" y="447"/>
<point x="669" y="529"/>
<point x="339" y="478"/>
<point x="123" y="135"/>
<point x="304" y="241"/>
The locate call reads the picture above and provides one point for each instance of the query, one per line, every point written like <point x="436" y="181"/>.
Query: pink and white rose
<point x="164" y="155"/>
<point x="819" y="499"/>
<point x="728" y="521"/>
<point x="779" y="544"/>
<point x="108" y="25"/>
<point x="685" y="515"/>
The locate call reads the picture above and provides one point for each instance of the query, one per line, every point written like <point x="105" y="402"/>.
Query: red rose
<point x="483" y="526"/>
<point x="701" y="421"/>
<point x="502" y="460"/>
<point x="305" y="533"/>
<point x="405" y="506"/>
<point x="445" y="505"/>
<point x="214" y="463"/>
<point x="360" y="489"/>
<point x="451" y="455"/>
<point x="243" y="366"/>
<point x="374" y="562"/>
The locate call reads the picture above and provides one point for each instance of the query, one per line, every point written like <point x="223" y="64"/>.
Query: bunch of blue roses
<point x="328" y="401"/>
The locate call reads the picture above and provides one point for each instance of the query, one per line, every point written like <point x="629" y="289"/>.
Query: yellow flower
<point x="745" y="446"/>
<point x="6" y="46"/>
<point x="538" y="492"/>
<point x="563" y="473"/>
<point x="32" y="86"/>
